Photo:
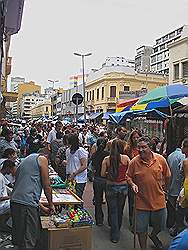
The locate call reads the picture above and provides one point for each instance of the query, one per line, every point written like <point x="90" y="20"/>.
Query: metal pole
<point x="84" y="87"/>
<point x="76" y="111"/>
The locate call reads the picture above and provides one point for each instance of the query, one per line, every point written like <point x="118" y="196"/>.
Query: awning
<point x="94" y="116"/>
<point x="122" y="105"/>
<point x="106" y="115"/>
<point x="118" y="118"/>
<point x="81" y="119"/>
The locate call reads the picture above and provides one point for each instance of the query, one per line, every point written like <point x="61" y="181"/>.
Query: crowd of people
<point x="122" y="164"/>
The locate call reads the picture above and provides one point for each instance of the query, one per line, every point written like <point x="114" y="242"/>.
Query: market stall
<point x="71" y="227"/>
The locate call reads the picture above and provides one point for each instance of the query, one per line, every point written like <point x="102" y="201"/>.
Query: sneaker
<point x="158" y="244"/>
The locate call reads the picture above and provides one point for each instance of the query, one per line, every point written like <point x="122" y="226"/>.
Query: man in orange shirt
<point x="149" y="176"/>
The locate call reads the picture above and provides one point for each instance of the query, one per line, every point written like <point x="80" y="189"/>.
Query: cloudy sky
<point x="53" y="29"/>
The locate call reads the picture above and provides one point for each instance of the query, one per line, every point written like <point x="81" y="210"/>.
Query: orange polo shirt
<point x="149" y="178"/>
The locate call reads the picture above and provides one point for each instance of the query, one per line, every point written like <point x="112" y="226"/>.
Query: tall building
<point x="178" y="61"/>
<point x="15" y="81"/>
<point x="24" y="88"/>
<point x="160" y="56"/>
<point x="27" y="102"/>
<point x="142" y="58"/>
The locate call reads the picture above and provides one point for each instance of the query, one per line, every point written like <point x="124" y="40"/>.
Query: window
<point x="153" y="59"/>
<point x="97" y="94"/>
<point x="159" y="57"/>
<point x="185" y="69"/>
<point x="126" y="88"/>
<point x="87" y="96"/>
<point x="112" y="91"/>
<point x="172" y="34"/>
<point x="46" y="109"/>
<point x="159" y="66"/>
<point x="93" y="94"/>
<point x="176" y="71"/>
<point x="155" y="49"/>
<point x="90" y="95"/>
<point x="102" y="93"/>
<point x="162" y="47"/>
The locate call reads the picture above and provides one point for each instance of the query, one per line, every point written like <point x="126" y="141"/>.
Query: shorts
<point x="155" y="219"/>
<point x="26" y="225"/>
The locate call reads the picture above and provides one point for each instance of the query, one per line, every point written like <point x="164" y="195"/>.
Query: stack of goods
<point x="80" y="217"/>
<point x="56" y="182"/>
<point x="73" y="218"/>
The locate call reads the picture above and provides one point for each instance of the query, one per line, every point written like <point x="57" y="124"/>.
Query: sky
<point x="52" y="30"/>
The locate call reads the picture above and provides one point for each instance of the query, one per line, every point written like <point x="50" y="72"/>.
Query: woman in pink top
<point x="114" y="168"/>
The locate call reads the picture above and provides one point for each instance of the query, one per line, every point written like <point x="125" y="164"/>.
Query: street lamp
<point x="83" y="79"/>
<point x="53" y="82"/>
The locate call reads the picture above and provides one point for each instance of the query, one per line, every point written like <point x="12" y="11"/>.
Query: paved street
<point x="101" y="239"/>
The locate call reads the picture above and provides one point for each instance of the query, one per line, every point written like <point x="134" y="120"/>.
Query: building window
<point x="185" y="69"/>
<point x="97" y="94"/>
<point x="102" y="93"/>
<point x="155" y="50"/>
<point x="159" y="66"/>
<point x="126" y="88"/>
<point x="153" y="59"/>
<point x="176" y="71"/>
<point x="112" y="91"/>
<point x="46" y="109"/>
<point x="162" y="47"/>
<point x="93" y="94"/>
<point x="87" y="96"/>
<point x="90" y="95"/>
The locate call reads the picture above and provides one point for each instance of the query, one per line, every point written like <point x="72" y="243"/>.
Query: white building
<point x="142" y="58"/>
<point x="160" y="56"/>
<point x="15" y="81"/>
<point x="178" y="61"/>
<point x="28" y="102"/>
<point x="118" y="61"/>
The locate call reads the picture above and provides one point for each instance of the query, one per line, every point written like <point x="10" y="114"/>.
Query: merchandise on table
<point x="73" y="218"/>
<point x="56" y="182"/>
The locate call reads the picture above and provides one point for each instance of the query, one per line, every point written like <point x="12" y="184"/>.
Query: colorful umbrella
<point x="168" y="92"/>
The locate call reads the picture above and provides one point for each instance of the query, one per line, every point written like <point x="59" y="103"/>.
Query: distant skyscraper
<point x="15" y="81"/>
<point x="142" y="58"/>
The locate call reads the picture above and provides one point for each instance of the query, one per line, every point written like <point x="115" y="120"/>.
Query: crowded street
<point x="93" y="125"/>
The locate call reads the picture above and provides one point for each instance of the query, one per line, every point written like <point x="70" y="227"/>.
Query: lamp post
<point x="53" y="82"/>
<point x="83" y="78"/>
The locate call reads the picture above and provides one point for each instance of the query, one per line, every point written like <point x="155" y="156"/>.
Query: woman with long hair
<point x="76" y="163"/>
<point x="114" y="168"/>
<point x="99" y="182"/>
<point x="131" y="150"/>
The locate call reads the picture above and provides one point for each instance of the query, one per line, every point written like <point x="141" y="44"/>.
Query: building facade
<point x="27" y="102"/>
<point x="103" y="87"/>
<point x="41" y="109"/>
<point x="178" y="61"/>
<point x="160" y="56"/>
<point x="142" y="58"/>
<point x="15" y="81"/>
<point x="24" y="88"/>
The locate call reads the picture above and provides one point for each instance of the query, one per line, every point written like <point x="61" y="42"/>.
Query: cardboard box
<point x="79" y="238"/>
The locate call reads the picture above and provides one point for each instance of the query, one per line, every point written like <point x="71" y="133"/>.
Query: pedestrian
<point x="175" y="162"/>
<point x="99" y="182"/>
<point x="52" y="132"/>
<point x="31" y="177"/>
<point x="76" y="164"/>
<point x="149" y="176"/>
<point x="7" y="142"/>
<point x="114" y="169"/>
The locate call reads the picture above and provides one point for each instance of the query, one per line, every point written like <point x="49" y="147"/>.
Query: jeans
<point x="99" y="187"/>
<point x="171" y="209"/>
<point x="80" y="189"/>
<point x="116" y="196"/>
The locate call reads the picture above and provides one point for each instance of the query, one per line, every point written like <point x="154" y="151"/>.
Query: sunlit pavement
<point x="101" y="240"/>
